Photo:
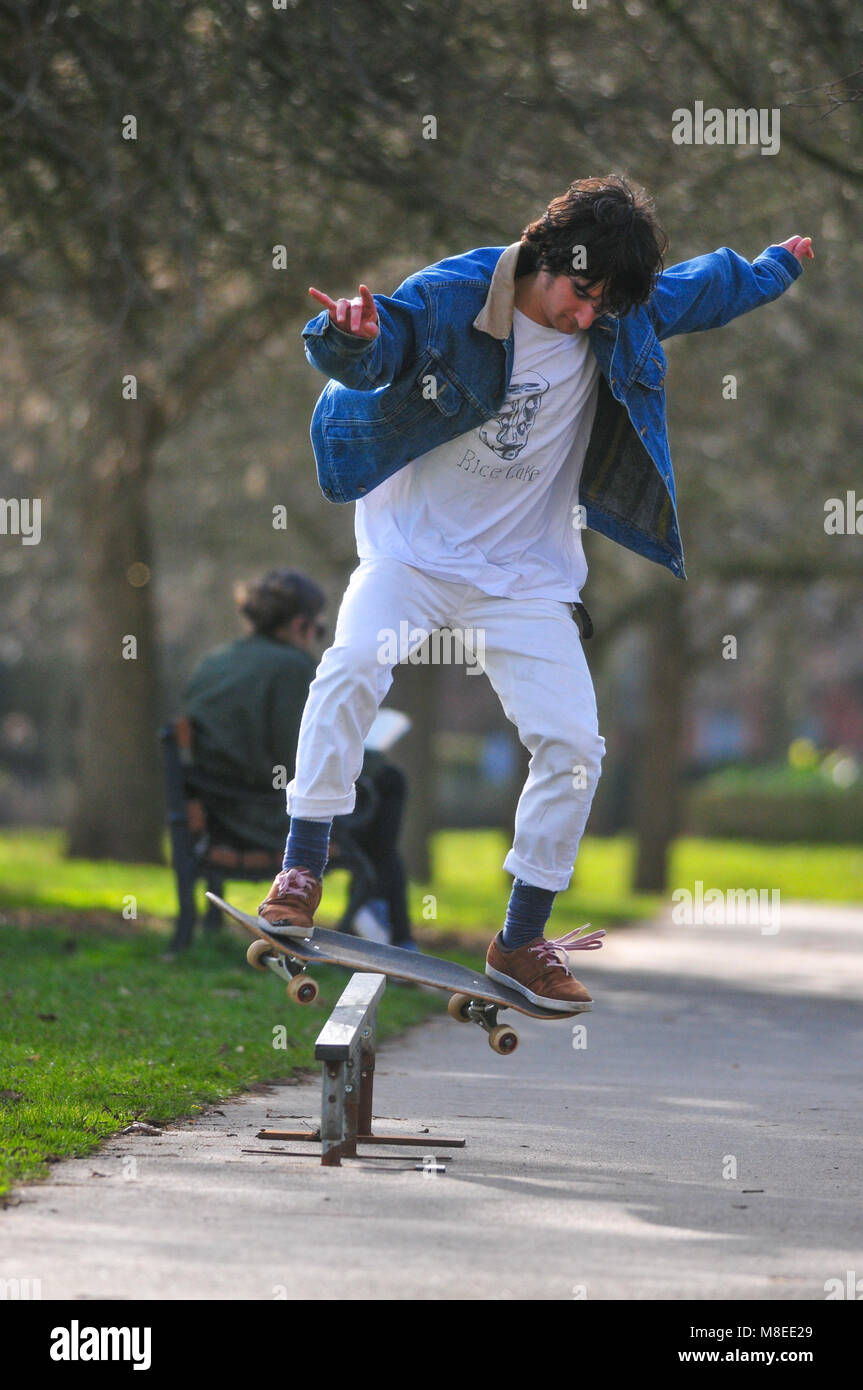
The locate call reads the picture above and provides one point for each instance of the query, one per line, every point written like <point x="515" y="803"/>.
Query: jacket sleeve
<point x="710" y="290"/>
<point x="364" y="365"/>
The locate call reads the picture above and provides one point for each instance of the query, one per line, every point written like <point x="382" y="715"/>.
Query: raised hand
<point x="799" y="246"/>
<point x="358" y="317"/>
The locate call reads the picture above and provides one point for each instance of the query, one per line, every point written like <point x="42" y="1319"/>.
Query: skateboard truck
<point x="463" y="1009"/>
<point x="302" y="989"/>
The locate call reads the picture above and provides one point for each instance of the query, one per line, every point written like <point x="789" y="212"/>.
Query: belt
<point x="581" y="616"/>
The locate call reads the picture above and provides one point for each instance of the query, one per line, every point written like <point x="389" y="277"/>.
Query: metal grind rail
<point x="346" y="1049"/>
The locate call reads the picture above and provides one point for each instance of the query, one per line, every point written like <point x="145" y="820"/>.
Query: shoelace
<point x="554" y="952"/>
<point x="294" y="880"/>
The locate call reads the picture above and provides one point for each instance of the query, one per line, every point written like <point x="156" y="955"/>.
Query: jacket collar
<point x="495" y="316"/>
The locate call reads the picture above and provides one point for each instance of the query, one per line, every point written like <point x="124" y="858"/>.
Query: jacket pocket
<point x="650" y="369"/>
<point x="435" y="385"/>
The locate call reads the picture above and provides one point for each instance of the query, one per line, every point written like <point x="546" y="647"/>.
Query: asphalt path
<point x="699" y="1139"/>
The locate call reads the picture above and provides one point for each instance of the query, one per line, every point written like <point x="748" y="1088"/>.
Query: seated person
<point x="245" y="701"/>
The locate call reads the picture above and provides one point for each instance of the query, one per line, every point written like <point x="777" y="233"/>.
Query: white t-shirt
<point x="494" y="507"/>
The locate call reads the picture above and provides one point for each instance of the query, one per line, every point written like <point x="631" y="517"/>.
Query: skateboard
<point x="474" y="997"/>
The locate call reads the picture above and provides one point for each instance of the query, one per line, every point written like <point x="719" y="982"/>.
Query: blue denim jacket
<point x="442" y="361"/>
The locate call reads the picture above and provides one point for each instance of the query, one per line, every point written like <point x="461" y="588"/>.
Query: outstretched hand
<point x="799" y="246"/>
<point x="358" y="317"/>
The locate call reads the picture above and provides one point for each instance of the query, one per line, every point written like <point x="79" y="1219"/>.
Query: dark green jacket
<point x="245" y="701"/>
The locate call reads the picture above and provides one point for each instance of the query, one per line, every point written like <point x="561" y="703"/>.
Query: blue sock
<point x="308" y="845"/>
<point x="527" y="912"/>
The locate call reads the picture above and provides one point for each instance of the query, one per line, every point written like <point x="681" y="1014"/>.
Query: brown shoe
<point x="539" y="971"/>
<point x="293" y="899"/>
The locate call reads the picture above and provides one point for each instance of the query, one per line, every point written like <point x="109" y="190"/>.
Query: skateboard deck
<point x="474" y="997"/>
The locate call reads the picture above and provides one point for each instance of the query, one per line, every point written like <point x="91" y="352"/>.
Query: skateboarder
<point x="498" y="402"/>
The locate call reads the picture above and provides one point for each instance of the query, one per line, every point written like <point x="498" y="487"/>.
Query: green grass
<point x="468" y="894"/>
<point x="472" y="890"/>
<point x="469" y="890"/>
<point x="99" y="1031"/>
<point x="816" y="873"/>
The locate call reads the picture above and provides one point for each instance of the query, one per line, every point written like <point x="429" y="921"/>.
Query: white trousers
<point x="531" y="651"/>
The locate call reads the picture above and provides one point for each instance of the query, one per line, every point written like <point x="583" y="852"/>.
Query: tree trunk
<point x="118" y="811"/>
<point x="658" y="780"/>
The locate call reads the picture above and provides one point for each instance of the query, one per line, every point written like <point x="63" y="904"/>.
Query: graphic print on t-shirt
<point x="493" y="507"/>
<point x="508" y="431"/>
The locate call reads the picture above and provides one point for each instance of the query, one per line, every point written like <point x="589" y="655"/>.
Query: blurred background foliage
<point x="303" y="126"/>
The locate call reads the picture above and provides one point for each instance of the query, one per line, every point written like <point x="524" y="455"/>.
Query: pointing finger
<point x="321" y="298"/>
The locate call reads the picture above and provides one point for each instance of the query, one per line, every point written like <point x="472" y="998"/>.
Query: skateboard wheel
<point x="254" y="953"/>
<point x="503" y="1039"/>
<point x="458" y="1006"/>
<point x="303" y="989"/>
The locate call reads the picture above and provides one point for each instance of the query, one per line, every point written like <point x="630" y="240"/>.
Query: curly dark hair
<point x="615" y="222"/>
<point x="274" y="600"/>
